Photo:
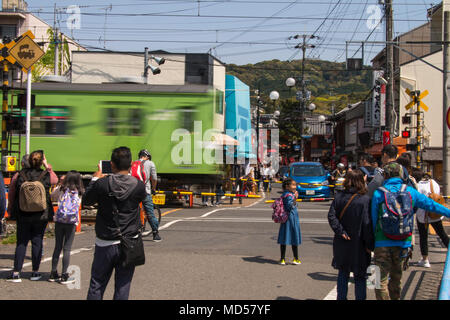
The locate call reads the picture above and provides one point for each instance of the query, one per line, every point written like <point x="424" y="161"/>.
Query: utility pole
<point x="5" y="89"/>
<point x="56" y="38"/>
<point x="303" y="46"/>
<point x="390" y="125"/>
<point x="446" y="109"/>
<point x="258" y="114"/>
<point x="419" y="131"/>
<point x="146" y="65"/>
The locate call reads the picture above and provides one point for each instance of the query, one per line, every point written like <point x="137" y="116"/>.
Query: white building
<point x="15" y="20"/>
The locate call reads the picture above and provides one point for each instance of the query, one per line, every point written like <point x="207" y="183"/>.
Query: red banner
<point x="386" y="138"/>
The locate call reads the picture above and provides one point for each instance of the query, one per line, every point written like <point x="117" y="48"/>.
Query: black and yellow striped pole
<point x="5" y="88"/>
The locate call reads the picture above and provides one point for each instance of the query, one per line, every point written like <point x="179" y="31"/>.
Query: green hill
<point x="328" y="81"/>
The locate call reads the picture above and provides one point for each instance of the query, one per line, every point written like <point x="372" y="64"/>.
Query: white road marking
<point x="332" y="295"/>
<point x="167" y="225"/>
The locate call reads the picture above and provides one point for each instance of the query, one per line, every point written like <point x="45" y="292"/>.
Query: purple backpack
<point x="279" y="214"/>
<point x="68" y="207"/>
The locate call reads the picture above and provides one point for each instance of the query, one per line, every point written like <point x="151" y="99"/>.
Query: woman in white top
<point x="423" y="219"/>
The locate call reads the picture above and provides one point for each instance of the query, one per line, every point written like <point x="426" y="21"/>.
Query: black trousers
<point x="29" y="231"/>
<point x="423" y="234"/>
<point x="106" y="259"/>
<point x="64" y="235"/>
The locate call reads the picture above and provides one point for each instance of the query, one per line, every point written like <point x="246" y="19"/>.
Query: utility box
<point x="9" y="164"/>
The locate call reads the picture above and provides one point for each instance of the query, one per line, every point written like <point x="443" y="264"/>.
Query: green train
<point x="77" y="125"/>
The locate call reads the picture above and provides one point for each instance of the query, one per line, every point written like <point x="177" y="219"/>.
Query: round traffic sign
<point x="448" y="118"/>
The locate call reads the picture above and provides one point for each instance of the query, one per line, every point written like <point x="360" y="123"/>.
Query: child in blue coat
<point x="289" y="233"/>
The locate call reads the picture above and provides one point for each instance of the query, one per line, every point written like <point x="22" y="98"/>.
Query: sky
<point x="235" y="31"/>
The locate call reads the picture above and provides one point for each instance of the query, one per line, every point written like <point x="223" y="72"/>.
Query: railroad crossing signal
<point x="417" y="97"/>
<point x="25" y="51"/>
<point x="22" y="52"/>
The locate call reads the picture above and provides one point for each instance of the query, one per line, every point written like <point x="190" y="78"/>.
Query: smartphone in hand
<point x="105" y="166"/>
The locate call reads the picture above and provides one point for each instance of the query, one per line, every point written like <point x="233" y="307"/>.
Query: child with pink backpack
<point x="66" y="219"/>
<point x="285" y="213"/>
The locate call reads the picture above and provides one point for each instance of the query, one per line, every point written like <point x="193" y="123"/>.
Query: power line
<point x="227" y="16"/>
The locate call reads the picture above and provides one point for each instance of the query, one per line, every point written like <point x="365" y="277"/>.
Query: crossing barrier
<point x="299" y="183"/>
<point x="307" y="200"/>
<point x="444" y="293"/>
<point x="187" y="193"/>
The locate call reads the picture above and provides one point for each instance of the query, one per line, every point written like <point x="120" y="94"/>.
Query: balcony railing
<point x="14" y="6"/>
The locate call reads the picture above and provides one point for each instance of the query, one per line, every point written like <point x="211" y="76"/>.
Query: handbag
<point x="437" y="198"/>
<point x="132" y="252"/>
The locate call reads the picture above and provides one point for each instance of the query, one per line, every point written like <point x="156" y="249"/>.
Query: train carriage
<point x="79" y="124"/>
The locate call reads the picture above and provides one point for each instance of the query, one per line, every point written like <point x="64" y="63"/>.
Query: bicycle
<point x="158" y="199"/>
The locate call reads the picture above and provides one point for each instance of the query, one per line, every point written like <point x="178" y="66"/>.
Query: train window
<point x="112" y="121"/>
<point x="135" y="122"/>
<point x="219" y="102"/>
<point x="187" y="117"/>
<point x="52" y="121"/>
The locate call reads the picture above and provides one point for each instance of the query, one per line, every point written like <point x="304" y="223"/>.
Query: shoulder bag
<point x="132" y="252"/>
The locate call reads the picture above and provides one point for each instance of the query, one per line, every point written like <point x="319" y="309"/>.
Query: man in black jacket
<point x="129" y="192"/>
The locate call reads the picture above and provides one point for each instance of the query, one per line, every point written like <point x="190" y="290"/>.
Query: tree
<point x="47" y="63"/>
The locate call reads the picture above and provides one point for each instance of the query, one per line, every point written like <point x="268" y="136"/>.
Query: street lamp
<point x="274" y="95"/>
<point x="290" y="82"/>
<point x="312" y="107"/>
<point x="302" y="96"/>
<point x="321" y="118"/>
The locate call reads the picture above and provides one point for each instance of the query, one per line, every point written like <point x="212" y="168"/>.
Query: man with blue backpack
<point x="392" y="210"/>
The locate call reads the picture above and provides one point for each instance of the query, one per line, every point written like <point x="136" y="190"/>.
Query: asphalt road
<point x="219" y="253"/>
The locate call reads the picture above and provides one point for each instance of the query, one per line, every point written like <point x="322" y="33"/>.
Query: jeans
<point x="64" y="235"/>
<point x="149" y="212"/>
<point x="106" y="259"/>
<point x="27" y="231"/>
<point x="342" y="286"/>
<point x="423" y="234"/>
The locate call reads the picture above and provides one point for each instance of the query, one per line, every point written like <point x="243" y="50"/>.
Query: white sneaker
<point x="424" y="263"/>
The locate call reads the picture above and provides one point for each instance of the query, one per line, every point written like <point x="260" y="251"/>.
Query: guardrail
<point x="444" y="293"/>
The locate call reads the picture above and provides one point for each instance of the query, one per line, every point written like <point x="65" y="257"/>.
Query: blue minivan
<point x="311" y="178"/>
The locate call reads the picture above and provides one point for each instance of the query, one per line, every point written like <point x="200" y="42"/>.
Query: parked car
<point x="311" y="178"/>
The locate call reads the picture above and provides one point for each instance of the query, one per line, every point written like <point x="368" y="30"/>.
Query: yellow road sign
<point x="423" y="94"/>
<point x="25" y="52"/>
<point x="410" y="105"/>
<point x="423" y="106"/>
<point x="408" y="92"/>
<point x="417" y="99"/>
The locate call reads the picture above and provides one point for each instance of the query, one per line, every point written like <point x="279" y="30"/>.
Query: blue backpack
<point x="397" y="218"/>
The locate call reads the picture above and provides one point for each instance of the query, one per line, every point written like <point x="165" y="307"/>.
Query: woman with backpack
<point x="289" y="233"/>
<point x="427" y="186"/>
<point x="66" y="219"/>
<point x="32" y="209"/>
<point x="349" y="217"/>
